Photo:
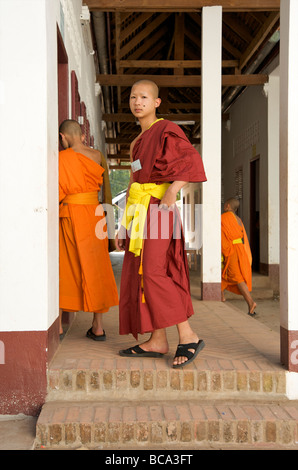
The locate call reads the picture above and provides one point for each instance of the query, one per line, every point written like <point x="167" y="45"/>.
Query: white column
<point x="211" y="151"/>
<point x="273" y="179"/>
<point x="289" y="190"/>
<point x="29" y="277"/>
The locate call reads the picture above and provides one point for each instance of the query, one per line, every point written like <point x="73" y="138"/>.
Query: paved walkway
<point x="234" y="342"/>
<point x="233" y="339"/>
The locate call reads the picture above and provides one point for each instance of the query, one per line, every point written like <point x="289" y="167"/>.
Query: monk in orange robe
<point x="236" y="272"/>
<point x="155" y="291"/>
<point x="87" y="281"/>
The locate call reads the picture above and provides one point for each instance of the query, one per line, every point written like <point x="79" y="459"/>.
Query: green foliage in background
<point x="119" y="180"/>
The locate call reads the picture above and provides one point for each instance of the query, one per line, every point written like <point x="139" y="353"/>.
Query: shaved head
<point x="70" y="127"/>
<point x="153" y="87"/>
<point x="233" y="203"/>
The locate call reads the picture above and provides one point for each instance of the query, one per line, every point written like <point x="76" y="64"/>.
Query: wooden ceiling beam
<point x="179" y="41"/>
<point x="134" y="25"/>
<point x="171" y="64"/>
<point x="126" y="117"/>
<point x="143" y="34"/>
<point x="119" y="156"/>
<point x="172" y="105"/>
<point x="124" y="140"/>
<point x="237" y="27"/>
<point x="118" y="140"/>
<point x="179" y="80"/>
<point x="271" y="21"/>
<point x="181" y="5"/>
<point x="158" y="38"/>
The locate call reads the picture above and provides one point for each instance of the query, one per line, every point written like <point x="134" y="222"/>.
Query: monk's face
<point x="143" y="100"/>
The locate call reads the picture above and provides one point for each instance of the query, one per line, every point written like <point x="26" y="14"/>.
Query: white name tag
<point x="136" y="166"/>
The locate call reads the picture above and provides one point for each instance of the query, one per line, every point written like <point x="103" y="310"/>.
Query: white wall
<point x="23" y="173"/>
<point x="29" y="277"/>
<point x="82" y="62"/>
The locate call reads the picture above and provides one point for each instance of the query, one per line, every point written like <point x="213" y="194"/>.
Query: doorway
<point x="62" y="80"/>
<point x="255" y="212"/>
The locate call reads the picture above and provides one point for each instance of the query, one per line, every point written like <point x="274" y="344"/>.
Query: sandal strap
<point x="134" y="349"/>
<point x="137" y="349"/>
<point x="188" y="346"/>
<point x="183" y="350"/>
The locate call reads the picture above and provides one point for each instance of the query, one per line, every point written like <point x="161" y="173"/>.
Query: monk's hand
<point x="120" y="239"/>
<point x="168" y="200"/>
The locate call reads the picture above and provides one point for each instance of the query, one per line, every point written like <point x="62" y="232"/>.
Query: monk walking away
<point x="155" y="288"/>
<point x="236" y="255"/>
<point x="86" y="277"/>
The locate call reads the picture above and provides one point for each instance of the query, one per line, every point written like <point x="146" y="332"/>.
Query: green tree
<point x="119" y="180"/>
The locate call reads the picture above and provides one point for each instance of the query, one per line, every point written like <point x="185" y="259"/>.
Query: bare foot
<point x="154" y="346"/>
<point x="157" y="343"/>
<point x="252" y="308"/>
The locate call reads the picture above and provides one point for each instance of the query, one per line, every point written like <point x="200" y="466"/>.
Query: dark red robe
<point x="166" y="155"/>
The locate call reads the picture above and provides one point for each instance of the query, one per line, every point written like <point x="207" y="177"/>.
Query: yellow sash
<point x="82" y="198"/>
<point x="135" y="213"/>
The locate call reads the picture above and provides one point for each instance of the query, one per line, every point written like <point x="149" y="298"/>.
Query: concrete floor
<point x="17" y="432"/>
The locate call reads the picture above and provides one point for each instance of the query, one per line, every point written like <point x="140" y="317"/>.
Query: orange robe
<point x="236" y="256"/>
<point x="87" y="281"/>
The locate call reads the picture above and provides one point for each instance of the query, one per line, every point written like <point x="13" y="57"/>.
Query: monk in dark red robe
<point x="155" y="290"/>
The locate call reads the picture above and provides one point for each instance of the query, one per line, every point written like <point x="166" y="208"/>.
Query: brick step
<point x="167" y="424"/>
<point x="147" y="378"/>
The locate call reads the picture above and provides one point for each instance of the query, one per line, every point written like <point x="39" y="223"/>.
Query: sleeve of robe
<point x="166" y="155"/>
<point x="178" y="161"/>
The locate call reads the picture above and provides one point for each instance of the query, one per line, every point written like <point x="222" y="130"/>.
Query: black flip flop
<point x="254" y="314"/>
<point x="183" y="350"/>
<point x="91" y="335"/>
<point x="136" y="351"/>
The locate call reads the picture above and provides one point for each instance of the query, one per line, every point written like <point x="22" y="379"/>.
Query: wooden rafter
<point x="181" y="5"/>
<point x="127" y="141"/>
<point x="161" y="41"/>
<point x="142" y="35"/>
<point x="240" y="29"/>
<point x="260" y="37"/>
<point x="125" y="117"/>
<point x="133" y="26"/>
<point x="175" y="64"/>
<point x="177" y="106"/>
<point x="180" y="80"/>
